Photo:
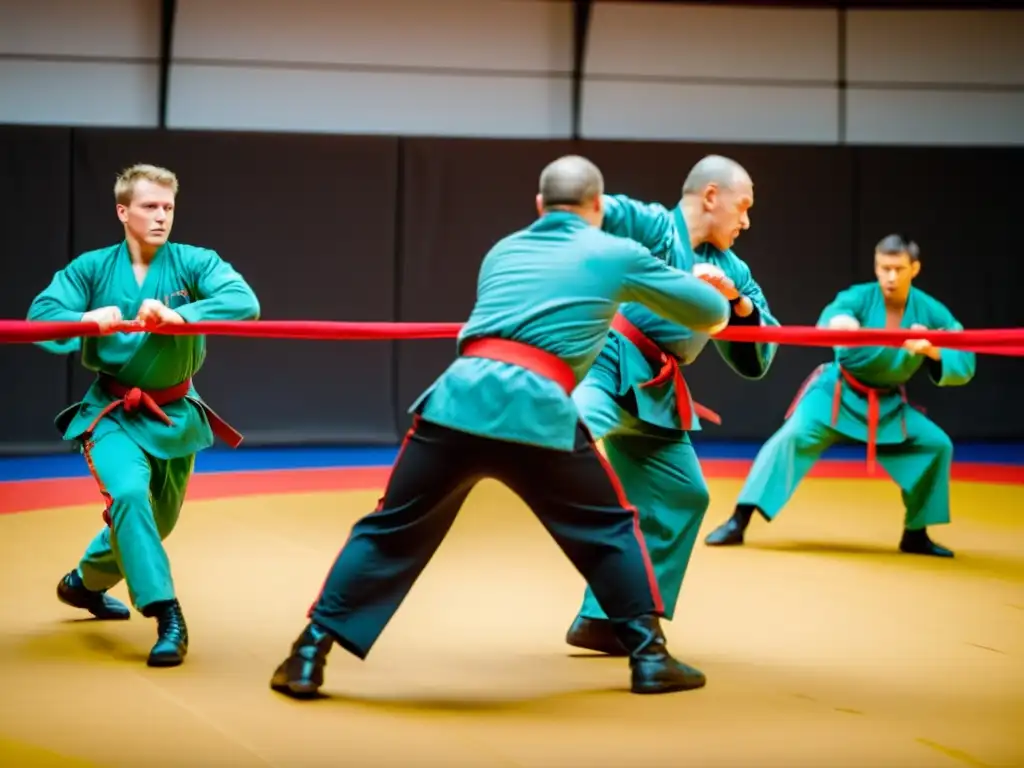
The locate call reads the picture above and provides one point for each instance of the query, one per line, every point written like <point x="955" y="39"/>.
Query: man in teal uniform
<point x="635" y="399"/>
<point x="545" y="298"/>
<point x="141" y="422"/>
<point x="861" y="397"/>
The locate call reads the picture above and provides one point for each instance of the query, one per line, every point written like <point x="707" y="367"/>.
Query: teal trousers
<point x="145" y="496"/>
<point x="662" y="478"/>
<point x="920" y="465"/>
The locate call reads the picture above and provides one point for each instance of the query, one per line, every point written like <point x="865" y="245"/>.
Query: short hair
<point x="124" y="187"/>
<point x="893" y="245"/>
<point x="723" y="171"/>
<point x="570" y="180"/>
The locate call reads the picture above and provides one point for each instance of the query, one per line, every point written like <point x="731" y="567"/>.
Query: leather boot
<point x="71" y="591"/>
<point x="653" y="669"/>
<point x="172" y="634"/>
<point x="730" y="533"/>
<point x="918" y="542"/>
<point x="302" y="673"/>
<point x="595" y="635"/>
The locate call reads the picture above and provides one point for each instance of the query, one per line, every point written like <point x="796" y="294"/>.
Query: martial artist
<point x="861" y="397"/>
<point x="635" y="398"/>
<point x="141" y="422"/>
<point x="545" y="298"/>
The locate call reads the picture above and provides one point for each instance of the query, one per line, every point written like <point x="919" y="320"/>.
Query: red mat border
<point x="31" y="495"/>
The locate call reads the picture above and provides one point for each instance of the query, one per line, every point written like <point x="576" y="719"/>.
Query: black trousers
<point x="575" y="495"/>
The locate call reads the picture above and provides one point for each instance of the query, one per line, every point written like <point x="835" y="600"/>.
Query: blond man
<point x="141" y="422"/>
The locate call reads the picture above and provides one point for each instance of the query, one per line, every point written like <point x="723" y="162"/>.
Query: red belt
<point x="526" y="356"/>
<point x="685" y="404"/>
<point x="874" y="407"/>
<point x="132" y="399"/>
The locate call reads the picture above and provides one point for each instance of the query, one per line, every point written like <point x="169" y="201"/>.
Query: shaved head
<point x="570" y="180"/>
<point x="717" y="197"/>
<point x="715" y="169"/>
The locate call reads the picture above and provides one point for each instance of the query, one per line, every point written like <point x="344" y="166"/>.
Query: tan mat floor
<point x="823" y="646"/>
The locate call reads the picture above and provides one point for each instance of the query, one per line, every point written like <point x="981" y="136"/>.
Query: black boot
<point x="71" y="591"/>
<point x="654" y="670"/>
<point x="172" y="634"/>
<point x="918" y="542"/>
<point x="730" y="533"/>
<point x="595" y="635"/>
<point x="302" y="673"/>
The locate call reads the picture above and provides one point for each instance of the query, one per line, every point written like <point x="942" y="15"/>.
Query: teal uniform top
<point x="621" y="368"/>
<point x="555" y="285"/>
<point x="886" y="368"/>
<point x="194" y="282"/>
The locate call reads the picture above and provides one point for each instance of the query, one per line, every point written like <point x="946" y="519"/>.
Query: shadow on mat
<point x="1008" y="567"/>
<point x="581" y="654"/>
<point x="826" y="547"/>
<point x="81" y="644"/>
<point x="113" y="649"/>
<point x="535" y="704"/>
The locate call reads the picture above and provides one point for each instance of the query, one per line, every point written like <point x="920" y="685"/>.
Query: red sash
<point x="686" y="406"/>
<point x="874" y="409"/>
<point x="132" y="399"/>
<point x="526" y="356"/>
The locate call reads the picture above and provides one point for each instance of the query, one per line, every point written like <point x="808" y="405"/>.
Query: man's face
<point x="895" y="272"/>
<point x="150" y="214"/>
<point x="729" y="211"/>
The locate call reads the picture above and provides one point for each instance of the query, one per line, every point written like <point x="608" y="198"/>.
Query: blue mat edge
<point x="220" y="459"/>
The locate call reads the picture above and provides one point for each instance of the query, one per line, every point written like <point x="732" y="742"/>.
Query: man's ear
<point x="915" y="269"/>
<point x="710" y="196"/>
<point x="540" y="205"/>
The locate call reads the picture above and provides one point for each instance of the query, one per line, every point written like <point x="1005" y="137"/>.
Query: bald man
<point x="635" y="398"/>
<point x="545" y="298"/>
